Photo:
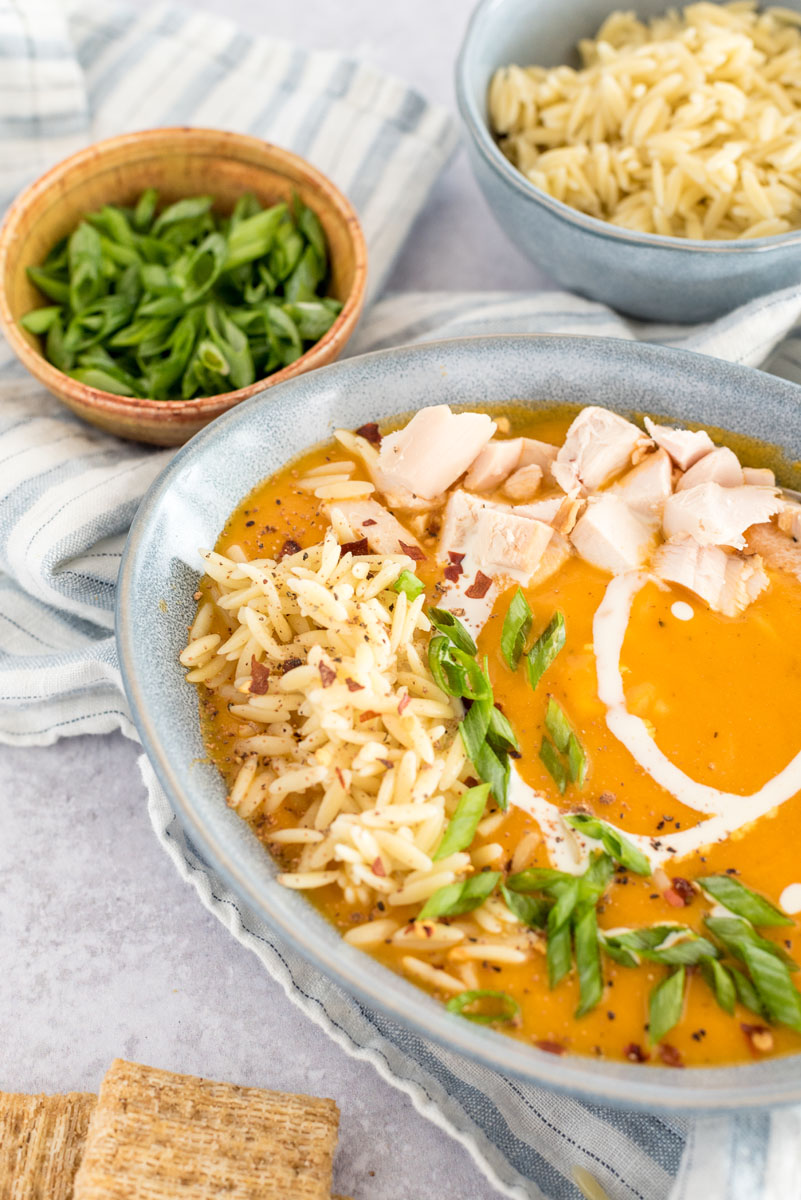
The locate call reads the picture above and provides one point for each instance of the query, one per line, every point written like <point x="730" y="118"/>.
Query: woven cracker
<point x="167" y="1136"/>
<point x="41" y="1142"/>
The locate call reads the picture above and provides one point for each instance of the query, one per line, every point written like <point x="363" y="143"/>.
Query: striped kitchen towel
<point x="68" y="494"/>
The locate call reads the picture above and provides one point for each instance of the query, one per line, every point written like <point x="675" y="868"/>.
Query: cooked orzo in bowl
<point x="477" y="681"/>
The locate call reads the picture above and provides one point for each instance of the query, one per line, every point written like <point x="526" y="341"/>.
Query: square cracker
<point x="41" y="1143"/>
<point x="167" y="1136"/>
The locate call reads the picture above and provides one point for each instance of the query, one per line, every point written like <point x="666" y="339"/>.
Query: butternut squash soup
<point x="514" y="700"/>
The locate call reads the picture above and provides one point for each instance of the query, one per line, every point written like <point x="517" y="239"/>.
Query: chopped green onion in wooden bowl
<point x="183" y="302"/>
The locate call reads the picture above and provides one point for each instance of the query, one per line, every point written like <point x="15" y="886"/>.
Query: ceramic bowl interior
<point x="178" y="162"/>
<point x="187" y="507"/>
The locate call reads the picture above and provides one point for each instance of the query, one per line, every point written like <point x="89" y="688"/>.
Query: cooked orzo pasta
<point x="688" y="125"/>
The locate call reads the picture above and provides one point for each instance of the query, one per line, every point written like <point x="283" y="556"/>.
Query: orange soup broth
<point x="721" y="696"/>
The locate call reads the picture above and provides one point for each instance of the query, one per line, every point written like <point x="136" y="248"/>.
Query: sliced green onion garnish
<point x="553" y="763"/>
<point x="576" y="761"/>
<point x="447" y="678"/>
<point x="621" y="849"/>
<point x="557" y="724"/>
<point x="666" y="1005"/>
<point x="595" y="880"/>
<point x="566" y="895"/>
<point x="500" y="734"/>
<point x="720" y="981"/>
<point x="531" y="910"/>
<point x="670" y="945"/>
<point x="546" y="648"/>
<point x="453" y="628"/>
<point x="457" y="898"/>
<point x="516" y="628"/>
<point x="558" y="955"/>
<point x="408" y="583"/>
<point x="39" y="320"/>
<point x="462" y="826"/>
<point x="474" y="727"/>
<point x="736" y="934"/>
<point x="566" y="741"/>
<point x="743" y="902"/>
<point x="588" y="961"/>
<point x="495" y="770"/>
<point x="508" y="1008"/>
<point x="746" y="992"/>
<point x="776" y="990"/>
<point x="536" y="879"/>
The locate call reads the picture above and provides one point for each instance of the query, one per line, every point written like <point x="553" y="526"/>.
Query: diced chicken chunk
<point x="646" y="487"/>
<point x="541" y="510"/>
<point x="494" y="464"/>
<point x="511" y="545"/>
<point x="685" y="446"/>
<point x="728" y="583"/>
<point x="538" y="454"/>
<point x="599" y="445"/>
<point x="487" y="546"/>
<point x="369" y="519"/>
<point x="560" y="512"/>
<point x="610" y="536"/>
<point x="423" y="459"/>
<point x="718" y="516"/>
<point x="458" y="527"/>
<point x="556" y="554"/>
<point x="759" y="476"/>
<point x="776" y="548"/>
<point x="719" y="466"/>
<point x="790" y="521"/>
<point x="524" y="483"/>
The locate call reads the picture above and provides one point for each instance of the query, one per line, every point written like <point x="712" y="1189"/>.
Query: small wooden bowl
<point x="179" y="162"/>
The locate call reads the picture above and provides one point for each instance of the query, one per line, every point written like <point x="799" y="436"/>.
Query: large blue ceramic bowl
<point x="645" y="275"/>
<point x="187" y="507"/>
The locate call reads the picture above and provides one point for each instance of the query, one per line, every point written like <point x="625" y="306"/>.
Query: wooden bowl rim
<point x="201" y="406"/>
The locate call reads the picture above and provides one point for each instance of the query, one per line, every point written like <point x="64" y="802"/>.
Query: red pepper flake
<point x="413" y="551"/>
<point x="340" y="777"/>
<point x="370" y="432"/>
<point x="471" y="781"/>
<point x="290" y="546"/>
<point x="403" y="703"/>
<point x="362" y="546"/>
<point x="683" y="888"/>
<point x="670" y="1056"/>
<point x="760" y="1038"/>
<point x="377" y="867"/>
<point x="455" y="569"/>
<point x="368" y="715"/>
<point x="480" y="586"/>
<point x="673" y="898"/>
<point x="353" y="686"/>
<point x="550" y="1047"/>
<point x="260" y="677"/>
<point x="290" y="665"/>
<point x="369" y="521"/>
<point x="635" y="1053"/>
<point x="327" y="674"/>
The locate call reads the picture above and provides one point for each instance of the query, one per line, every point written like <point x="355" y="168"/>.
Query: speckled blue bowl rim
<point x="481" y="136"/>
<point x="603" y="364"/>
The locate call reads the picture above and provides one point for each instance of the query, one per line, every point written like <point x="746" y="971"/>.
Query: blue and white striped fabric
<point x="68" y="493"/>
